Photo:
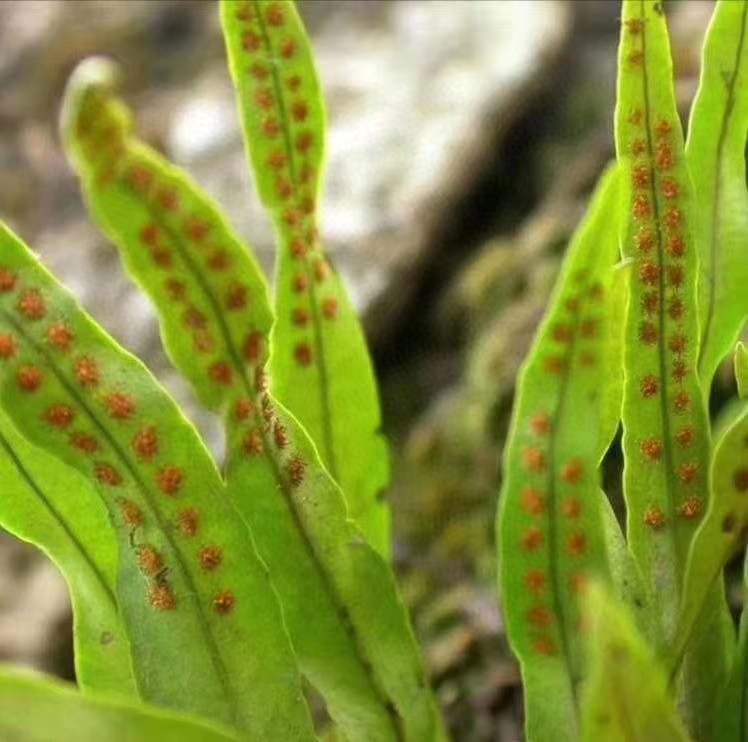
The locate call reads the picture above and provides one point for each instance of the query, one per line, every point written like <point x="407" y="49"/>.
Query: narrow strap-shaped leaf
<point x="203" y="620"/>
<point x="716" y="158"/>
<point x="550" y="528"/>
<point x="741" y="369"/>
<point x="36" y="709"/>
<point x="724" y="529"/>
<point x="626" y="698"/>
<point x="347" y="623"/>
<point x="666" y="436"/>
<point x="625" y="575"/>
<point x="55" y="508"/>
<point x="665" y="427"/>
<point x="732" y="716"/>
<point x="320" y="364"/>
<point x="173" y="239"/>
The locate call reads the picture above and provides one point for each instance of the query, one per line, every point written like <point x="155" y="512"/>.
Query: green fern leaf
<point x="666" y="434"/>
<point x="550" y="529"/>
<point x="346" y="621"/>
<point x="320" y="365"/>
<point x="188" y="572"/>
<point x="36" y="709"/>
<point x="54" y="507"/>
<point x="626" y="698"/>
<point x="716" y="158"/>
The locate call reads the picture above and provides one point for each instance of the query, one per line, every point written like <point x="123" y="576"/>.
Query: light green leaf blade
<point x="550" y="528"/>
<point x="716" y="158"/>
<point x="732" y="714"/>
<point x="346" y="621"/>
<point x="626" y="698"/>
<point x="320" y="364"/>
<point x="189" y="574"/>
<point x="54" y="507"/>
<point x="723" y="531"/>
<point x="666" y="434"/>
<point x="172" y="237"/>
<point x="36" y="709"/>
<point x="741" y="369"/>
<point x="665" y="428"/>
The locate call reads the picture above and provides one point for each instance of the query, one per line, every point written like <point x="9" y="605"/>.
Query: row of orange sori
<point x="573" y="337"/>
<point x="283" y="113"/>
<point x="58" y="336"/>
<point x="661" y="247"/>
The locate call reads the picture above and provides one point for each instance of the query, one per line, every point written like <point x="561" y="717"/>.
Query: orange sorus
<point x="534" y="459"/>
<point x="571" y="507"/>
<point x="572" y="472"/>
<point x="652" y="448"/>
<point x="32" y="305"/>
<point x="535" y="580"/>
<point x="29" y="378"/>
<point x="60" y="415"/>
<point x="224" y="602"/>
<point x="8" y="345"/>
<point x="145" y="443"/>
<point x="150" y="560"/>
<point x="188" y="521"/>
<point x="170" y="480"/>
<point x="119" y="406"/>
<point x="649" y="386"/>
<point x="303" y="354"/>
<point x="108" y="475"/>
<point x="540" y="424"/>
<point x="296" y="469"/>
<point x="87" y="371"/>
<point x="692" y="508"/>
<point x="577" y="543"/>
<point x="648" y="333"/>
<point x="687" y="472"/>
<point x="222" y="373"/>
<point x="654" y="518"/>
<point x="252" y="443"/>
<point x="533" y="501"/>
<point x="211" y="557"/>
<point x="532" y="539"/>
<point x="162" y="597"/>
<point x="61" y="335"/>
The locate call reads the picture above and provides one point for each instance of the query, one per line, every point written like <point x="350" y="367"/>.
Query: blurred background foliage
<point x="465" y="138"/>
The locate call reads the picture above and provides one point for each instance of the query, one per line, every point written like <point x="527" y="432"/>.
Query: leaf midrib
<point x="320" y="348"/>
<point x="662" y="360"/>
<point x="60" y="520"/>
<point x="556" y="557"/>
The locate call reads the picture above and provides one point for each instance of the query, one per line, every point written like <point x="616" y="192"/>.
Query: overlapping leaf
<point x="666" y="435"/>
<point x="716" y="158"/>
<point x="35" y="709"/>
<point x="741" y="369"/>
<point x="347" y="624"/>
<point x="54" y="507"/>
<point x="320" y="365"/>
<point x="724" y="529"/>
<point x="203" y="620"/>
<point x="550" y="532"/>
<point x="626" y="698"/>
<point x="732" y="715"/>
